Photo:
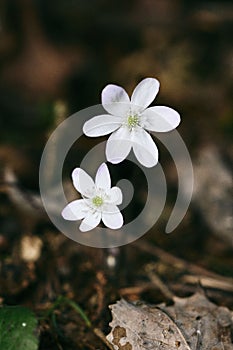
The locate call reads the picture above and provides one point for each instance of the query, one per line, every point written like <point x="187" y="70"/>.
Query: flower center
<point x="132" y="121"/>
<point x="97" y="201"/>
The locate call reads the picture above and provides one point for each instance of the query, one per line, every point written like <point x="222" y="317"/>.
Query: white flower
<point x="99" y="200"/>
<point x="128" y="121"/>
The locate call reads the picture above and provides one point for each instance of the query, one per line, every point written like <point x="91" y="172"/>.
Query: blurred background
<point x="55" y="59"/>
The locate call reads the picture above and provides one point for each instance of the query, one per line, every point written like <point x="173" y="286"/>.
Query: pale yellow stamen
<point x="132" y="121"/>
<point x="97" y="201"/>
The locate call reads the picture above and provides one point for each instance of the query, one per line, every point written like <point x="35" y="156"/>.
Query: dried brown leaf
<point x="192" y="323"/>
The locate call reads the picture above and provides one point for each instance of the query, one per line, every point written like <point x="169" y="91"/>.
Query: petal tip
<point x="115" y="160"/>
<point x="103" y="166"/>
<point x="68" y="215"/>
<point x="76" y="171"/>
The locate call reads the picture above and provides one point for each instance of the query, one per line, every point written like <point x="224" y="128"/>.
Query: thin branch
<point x="209" y="282"/>
<point x="102" y="337"/>
<point x="137" y="289"/>
<point x="153" y="276"/>
<point x="173" y="260"/>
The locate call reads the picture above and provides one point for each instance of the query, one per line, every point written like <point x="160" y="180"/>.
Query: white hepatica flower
<point x="128" y="121"/>
<point x="99" y="201"/>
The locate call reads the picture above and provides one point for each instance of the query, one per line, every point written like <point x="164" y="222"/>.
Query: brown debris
<point x="190" y="324"/>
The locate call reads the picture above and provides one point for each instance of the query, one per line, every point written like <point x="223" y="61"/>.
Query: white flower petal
<point x="75" y="210"/>
<point x="144" y="148"/>
<point x="83" y="182"/>
<point x="91" y="221"/>
<point x="114" y="93"/>
<point x="160" y="119"/>
<point x="102" y="178"/>
<point x="145" y="92"/>
<point x="115" y="195"/>
<point x="101" y="125"/>
<point x="113" y="220"/>
<point x="118" y="145"/>
<point x="115" y="100"/>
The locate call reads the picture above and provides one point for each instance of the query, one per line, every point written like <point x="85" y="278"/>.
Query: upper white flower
<point x="99" y="200"/>
<point x="128" y="121"/>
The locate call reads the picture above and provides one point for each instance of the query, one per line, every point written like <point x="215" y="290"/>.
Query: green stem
<point x="61" y="300"/>
<point x="77" y="308"/>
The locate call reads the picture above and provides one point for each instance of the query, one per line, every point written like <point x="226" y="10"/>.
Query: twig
<point x="198" y="343"/>
<point x="209" y="282"/>
<point x="136" y="289"/>
<point x="173" y="260"/>
<point x="158" y="282"/>
<point x="100" y="291"/>
<point x="102" y="337"/>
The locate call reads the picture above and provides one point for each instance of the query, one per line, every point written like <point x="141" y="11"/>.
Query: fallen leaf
<point x="192" y="323"/>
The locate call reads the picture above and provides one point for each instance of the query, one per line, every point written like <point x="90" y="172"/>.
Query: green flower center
<point x="97" y="201"/>
<point x="133" y="121"/>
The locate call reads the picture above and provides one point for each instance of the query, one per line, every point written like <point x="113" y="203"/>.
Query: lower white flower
<point x="99" y="201"/>
<point x="129" y="120"/>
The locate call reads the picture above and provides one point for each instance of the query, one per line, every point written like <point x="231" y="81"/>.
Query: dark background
<point x="55" y="58"/>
